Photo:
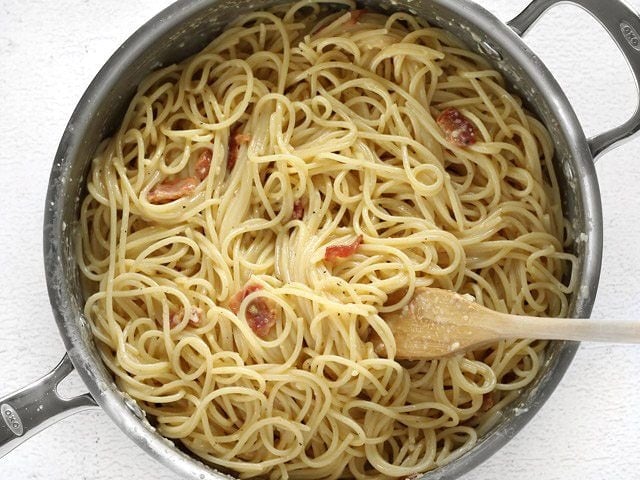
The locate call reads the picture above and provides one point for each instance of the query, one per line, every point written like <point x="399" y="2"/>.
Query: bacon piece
<point x="236" y="300"/>
<point x="196" y="317"/>
<point x="170" y="190"/>
<point x="342" y="251"/>
<point x="235" y="140"/>
<point x="458" y="129"/>
<point x="298" y="210"/>
<point x="487" y="402"/>
<point x="260" y="312"/>
<point x="355" y="16"/>
<point x="203" y="164"/>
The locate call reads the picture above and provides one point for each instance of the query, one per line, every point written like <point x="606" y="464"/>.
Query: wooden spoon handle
<point x="438" y="323"/>
<point x="580" y="329"/>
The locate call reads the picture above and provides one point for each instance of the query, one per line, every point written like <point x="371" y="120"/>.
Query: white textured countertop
<point x="50" y="51"/>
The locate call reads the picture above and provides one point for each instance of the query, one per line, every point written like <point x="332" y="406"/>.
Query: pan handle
<point x="623" y="24"/>
<point x="37" y="406"/>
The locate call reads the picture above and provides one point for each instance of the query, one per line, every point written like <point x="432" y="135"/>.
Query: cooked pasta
<point x="268" y="200"/>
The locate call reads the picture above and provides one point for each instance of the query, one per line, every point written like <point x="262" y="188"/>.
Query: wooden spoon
<point x="439" y="323"/>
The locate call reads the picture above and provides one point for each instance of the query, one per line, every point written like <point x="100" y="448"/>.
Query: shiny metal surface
<point x="37" y="406"/>
<point x="183" y="29"/>
<point x="623" y="25"/>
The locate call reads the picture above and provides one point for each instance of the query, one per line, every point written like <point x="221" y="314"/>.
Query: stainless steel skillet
<point x="183" y="29"/>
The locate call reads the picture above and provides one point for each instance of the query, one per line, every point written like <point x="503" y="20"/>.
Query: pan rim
<point x="112" y="402"/>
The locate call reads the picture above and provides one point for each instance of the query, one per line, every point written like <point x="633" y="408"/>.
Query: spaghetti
<point x="268" y="200"/>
